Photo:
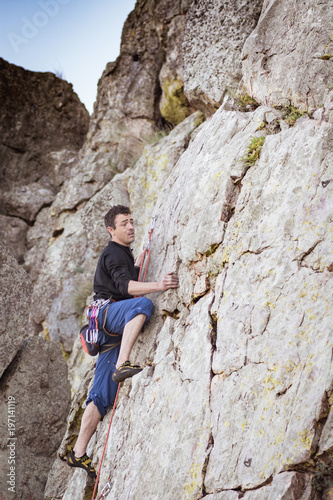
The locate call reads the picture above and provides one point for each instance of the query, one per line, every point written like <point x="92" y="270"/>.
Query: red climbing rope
<point x="146" y="253"/>
<point x="106" y="440"/>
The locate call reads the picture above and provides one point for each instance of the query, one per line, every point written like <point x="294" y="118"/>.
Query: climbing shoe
<point x="125" y="370"/>
<point x="82" y="462"/>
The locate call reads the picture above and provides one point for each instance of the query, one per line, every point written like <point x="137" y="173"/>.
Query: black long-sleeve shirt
<point x="115" y="268"/>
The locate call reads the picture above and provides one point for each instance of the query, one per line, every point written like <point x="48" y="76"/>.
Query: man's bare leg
<point x="89" y="422"/>
<point x="130" y="334"/>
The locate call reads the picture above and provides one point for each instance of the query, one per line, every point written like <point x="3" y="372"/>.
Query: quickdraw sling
<point x="89" y="332"/>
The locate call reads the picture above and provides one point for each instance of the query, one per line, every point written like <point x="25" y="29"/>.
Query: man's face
<point x="124" y="229"/>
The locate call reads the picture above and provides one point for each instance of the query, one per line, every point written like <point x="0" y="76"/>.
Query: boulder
<point x="34" y="386"/>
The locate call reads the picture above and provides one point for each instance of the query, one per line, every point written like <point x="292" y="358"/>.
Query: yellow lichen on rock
<point x="173" y="106"/>
<point x="193" y="482"/>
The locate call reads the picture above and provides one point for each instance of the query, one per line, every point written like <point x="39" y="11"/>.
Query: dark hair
<point x="111" y="215"/>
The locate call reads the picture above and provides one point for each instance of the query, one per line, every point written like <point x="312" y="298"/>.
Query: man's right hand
<point x="169" y="280"/>
<point x="138" y="288"/>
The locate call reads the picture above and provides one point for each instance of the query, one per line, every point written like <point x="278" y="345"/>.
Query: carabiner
<point x="105" y="491"/>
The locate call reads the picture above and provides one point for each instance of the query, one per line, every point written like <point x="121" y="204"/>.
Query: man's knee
<point x="147" y="307"/>
<point x="142" y="305"/>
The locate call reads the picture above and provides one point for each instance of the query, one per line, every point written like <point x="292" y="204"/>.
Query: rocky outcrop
<point x="215" y="32"/>
<point x="242" y="357"/>
<point x="34" y="388"/>
<point x="43" y="125"/>
<point x="36" y="398"/>
<point x="139" y="94"/>
<point x="288" y="57"/>
<point x="15" y="306"/>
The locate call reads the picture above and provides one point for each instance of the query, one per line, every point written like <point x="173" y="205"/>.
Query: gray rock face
<point x="137" y="95"/>
<point x="287" y="58"/>
<point x="26" y="201"/>
<point x="215" y="32"/>
<point x="34" y="388"/>
<point x="127" y="109"/>
<point x="174" y="391"/>
<point x="13" y="233"/>
<point x="15" y="298"/>
<point x="42" y="122"/>
<point x="235" y="400"/>
<point x="174" y="106"/>
<point x="285" y="485"/>
<point x="246" y="337"/>
<point x="36" y="385"/>
<point x="59" y="302"/>
<point x="258" y="300"/>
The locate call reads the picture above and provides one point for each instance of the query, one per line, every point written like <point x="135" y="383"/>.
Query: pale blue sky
<point x="76" y="38"/>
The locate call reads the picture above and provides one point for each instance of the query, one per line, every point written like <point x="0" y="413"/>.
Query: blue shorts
<point x="119" y="313"/>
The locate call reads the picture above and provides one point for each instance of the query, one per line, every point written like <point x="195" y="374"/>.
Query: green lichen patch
<point x="45" y="333"/>
<point x="174" y="106"/>
<point x="323" y="474"/>
<point x="199" y="120"/>
<point x="262" y="126"/>
<point x="253" y="150"/>
<point x="290" y="114"/>
<point x="81" y="296"/>
<point x="65" y="353"/>
<point x="172" y="314"/>
<point x="212" y="249"/>
<point x="244" y="100"/>
<point x="75" y="424"/>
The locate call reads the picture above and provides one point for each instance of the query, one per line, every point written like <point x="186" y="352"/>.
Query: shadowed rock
<point x="42" y="121"/>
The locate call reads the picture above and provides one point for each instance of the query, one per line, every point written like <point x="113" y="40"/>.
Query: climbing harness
<point x="107" y="487"/>
<point x="142" y="276"/>
<point x="89" y="332"/>
<point x="146" y="253"/>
